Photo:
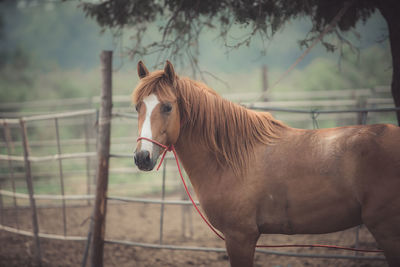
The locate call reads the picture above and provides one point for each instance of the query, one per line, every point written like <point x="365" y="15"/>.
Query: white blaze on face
<point x="150" y="102"/>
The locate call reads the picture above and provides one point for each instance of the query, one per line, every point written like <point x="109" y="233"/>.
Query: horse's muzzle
<point x="144" y="161"/>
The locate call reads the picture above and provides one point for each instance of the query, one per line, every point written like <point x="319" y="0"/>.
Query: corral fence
<point x="21" y="181"/>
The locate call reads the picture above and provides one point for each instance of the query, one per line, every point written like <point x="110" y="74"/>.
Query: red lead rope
<point x="172" y="148"/>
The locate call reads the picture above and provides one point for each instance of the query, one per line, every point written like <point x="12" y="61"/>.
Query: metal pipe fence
<point x="27" y="159"/>
<point x="60" y="157"/>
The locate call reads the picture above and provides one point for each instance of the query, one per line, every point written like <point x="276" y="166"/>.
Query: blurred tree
<point x="184" y="20"/>
<point x="15" y="77"/>
<point x="58" y="34"/>
<point x="37" y="44"/>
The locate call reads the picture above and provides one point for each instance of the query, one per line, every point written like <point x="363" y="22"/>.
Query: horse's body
<point x="254" y="175"/>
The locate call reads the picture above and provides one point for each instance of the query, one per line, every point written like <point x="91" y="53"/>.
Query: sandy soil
<point x="141" y="223"/>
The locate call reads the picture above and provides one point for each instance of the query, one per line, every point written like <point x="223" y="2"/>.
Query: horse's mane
<point x="228" y="130"/>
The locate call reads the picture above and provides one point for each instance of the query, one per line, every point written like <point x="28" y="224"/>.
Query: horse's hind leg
<point x="383" y="221"/>
<point x="390" y="243"/>
<point x="241" y="249"/>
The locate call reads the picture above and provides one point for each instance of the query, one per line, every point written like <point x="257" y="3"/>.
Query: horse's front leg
<point x="241" y="248"/>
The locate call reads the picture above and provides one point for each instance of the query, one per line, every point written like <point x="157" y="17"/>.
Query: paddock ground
<point x="141" y="222"/>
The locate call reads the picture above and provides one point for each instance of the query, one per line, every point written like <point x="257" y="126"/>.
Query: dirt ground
<point x="141" y="223"/>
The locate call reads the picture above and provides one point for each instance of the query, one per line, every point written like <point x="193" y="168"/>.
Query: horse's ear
<point x="142" y="70"/>
<point x="170" y="72"/>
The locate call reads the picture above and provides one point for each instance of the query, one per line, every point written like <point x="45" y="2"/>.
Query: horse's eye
<point x="137" y="108"/>
<point x="166" y="108"/>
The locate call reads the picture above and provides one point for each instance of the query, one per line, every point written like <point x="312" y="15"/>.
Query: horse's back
<point x="371" y="160"/>
<point x="376" y="151"/>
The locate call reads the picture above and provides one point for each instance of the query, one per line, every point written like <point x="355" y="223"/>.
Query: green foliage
<point x="353" y="71"/>
<point x="16" y="77"/>
<point x="36" y="44"/>
<point x="29" y="83"/>
<point x="61" y="35"/>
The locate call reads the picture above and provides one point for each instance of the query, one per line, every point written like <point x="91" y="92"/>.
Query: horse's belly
<point x="326" y="219"/>
<point x="314" y="216"/>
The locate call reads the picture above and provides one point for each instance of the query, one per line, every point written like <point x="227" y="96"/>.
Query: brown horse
<point x="255" y="175"/>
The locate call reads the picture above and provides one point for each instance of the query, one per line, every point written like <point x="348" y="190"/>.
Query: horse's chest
<point x="227" y="206"/>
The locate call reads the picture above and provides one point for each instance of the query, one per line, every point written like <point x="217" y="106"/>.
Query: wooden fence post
<point x="264" y="82"/>
<point x="29" y="183"/>
<point x="103" y="152"/>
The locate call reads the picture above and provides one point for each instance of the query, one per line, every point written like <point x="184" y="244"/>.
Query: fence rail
<point x="271" y="252"/>
<point x="49" y="116"/>
<point x="49" y="158"/>
<point x="288" y="95"/>
<point x="265" y="106"/>
<point x="46" y="197"/>
<point x="86" y="197"/>
<point x="42" y="235"/>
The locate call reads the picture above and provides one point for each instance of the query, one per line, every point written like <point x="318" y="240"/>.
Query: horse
<point x="254" y="175"/>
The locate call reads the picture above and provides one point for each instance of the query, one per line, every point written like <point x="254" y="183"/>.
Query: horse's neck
<point x="199" y="164"/>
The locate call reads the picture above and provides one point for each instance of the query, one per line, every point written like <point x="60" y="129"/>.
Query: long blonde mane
<point x="228" y="130"/>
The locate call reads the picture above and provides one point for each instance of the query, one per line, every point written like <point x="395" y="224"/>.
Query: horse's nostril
<point x="146" y="156"/>
<point x="142" y="158"/>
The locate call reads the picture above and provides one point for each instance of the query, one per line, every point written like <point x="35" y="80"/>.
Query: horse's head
<point x="158" y="113"/>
